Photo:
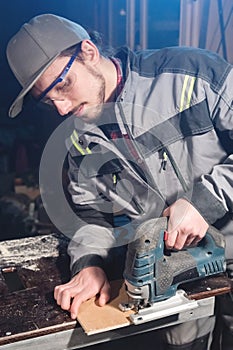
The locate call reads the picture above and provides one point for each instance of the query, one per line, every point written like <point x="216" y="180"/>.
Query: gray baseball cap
<point x="35" y="46"/>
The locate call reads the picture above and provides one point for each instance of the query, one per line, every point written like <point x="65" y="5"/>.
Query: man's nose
<point x="63" y="106"/>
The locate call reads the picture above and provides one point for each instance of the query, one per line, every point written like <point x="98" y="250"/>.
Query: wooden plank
<point x="95" y="319"/>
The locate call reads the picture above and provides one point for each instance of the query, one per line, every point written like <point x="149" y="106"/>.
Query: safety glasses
<point x="67" y="87"/>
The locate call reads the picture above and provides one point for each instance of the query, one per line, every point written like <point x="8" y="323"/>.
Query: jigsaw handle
<point x="147" y="263"/>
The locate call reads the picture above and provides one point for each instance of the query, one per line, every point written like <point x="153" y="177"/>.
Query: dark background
<point x="31" y="128"/>
<point x="163" y="25"/>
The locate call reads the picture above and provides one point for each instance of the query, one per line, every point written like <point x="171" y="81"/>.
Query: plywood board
<point x="96" y="319"/>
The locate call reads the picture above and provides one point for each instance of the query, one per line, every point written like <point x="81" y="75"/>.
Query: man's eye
<point x="64" y="86"/>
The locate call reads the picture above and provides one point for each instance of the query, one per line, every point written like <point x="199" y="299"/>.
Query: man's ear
<point x="90" y="52"/>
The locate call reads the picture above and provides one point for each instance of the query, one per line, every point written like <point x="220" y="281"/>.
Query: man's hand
<point x="86" y="284"/>
<point x="186" y="226"/>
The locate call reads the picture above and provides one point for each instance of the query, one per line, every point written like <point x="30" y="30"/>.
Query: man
<point x="153" y="137"/>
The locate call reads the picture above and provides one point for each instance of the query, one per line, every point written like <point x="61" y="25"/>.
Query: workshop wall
<point x="207" y="24"/>
<point x="137" y="23"/>
<point x="22" y="139"/>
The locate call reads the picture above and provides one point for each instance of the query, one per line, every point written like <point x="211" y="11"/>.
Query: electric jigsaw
<point x="153" y="275"/>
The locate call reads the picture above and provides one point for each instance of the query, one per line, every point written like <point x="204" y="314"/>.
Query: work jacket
<point x="175" y="120"/>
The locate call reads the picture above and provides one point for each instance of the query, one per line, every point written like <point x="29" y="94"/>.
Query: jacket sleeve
<point x="213" y="194"/>
<point x="93" y="234"/>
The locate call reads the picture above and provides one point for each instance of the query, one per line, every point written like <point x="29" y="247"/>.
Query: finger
<point x="196" y="240"/>
<point x="65" y="299"/>
<point x="171" y="239"/>
<point x="57" y="292"/>
<point x="190" y="242"/>
<point x="180" y="242"/>
<point x="65" y="295"/>
<point x="104" y="294"/>
<point x="75" y="305"/>
<point x="58" y="289"/>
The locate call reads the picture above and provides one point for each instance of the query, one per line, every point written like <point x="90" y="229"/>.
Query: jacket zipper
<point x="137" y="205"/>
<point x="137" y="150"/>
<point x="167" y="154"/>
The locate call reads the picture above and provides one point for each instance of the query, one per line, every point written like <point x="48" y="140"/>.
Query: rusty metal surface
<point x="209" y="286"/>
<point x="29" y="314"/>
<point x="30" y="268"/>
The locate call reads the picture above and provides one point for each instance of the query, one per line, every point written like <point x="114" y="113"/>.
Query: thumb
<point x="104" y="294"/>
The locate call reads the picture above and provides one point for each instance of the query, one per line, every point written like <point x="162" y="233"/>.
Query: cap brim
<point x="17" y="105"/>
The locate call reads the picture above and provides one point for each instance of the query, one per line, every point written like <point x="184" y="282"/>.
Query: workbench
<point x="30" y="268"/>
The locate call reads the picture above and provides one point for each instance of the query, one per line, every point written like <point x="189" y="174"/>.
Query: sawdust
<point x="24" y="251"/>
<point x="32" y="267"/>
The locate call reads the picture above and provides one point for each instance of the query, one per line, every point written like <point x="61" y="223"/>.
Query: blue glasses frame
<point x="61" y="76"/>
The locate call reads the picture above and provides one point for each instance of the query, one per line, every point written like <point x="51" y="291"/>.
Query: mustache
<point x="77" y="108"/>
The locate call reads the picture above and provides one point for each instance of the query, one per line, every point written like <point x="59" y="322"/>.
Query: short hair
<point x="97" y="39"/>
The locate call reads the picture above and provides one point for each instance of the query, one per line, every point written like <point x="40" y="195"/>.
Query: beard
<point x="93" y="113"/>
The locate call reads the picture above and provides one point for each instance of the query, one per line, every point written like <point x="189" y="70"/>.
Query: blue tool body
<point x="149" y="264"/>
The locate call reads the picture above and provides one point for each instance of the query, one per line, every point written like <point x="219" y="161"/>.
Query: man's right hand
<point x="88" y="283"/>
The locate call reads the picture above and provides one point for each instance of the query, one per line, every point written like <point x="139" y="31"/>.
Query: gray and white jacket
<point x="176" y="107"/>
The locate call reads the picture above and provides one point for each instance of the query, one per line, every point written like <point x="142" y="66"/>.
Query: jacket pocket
<point x="168" y="156"/>
<point x="93" y="165"/>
